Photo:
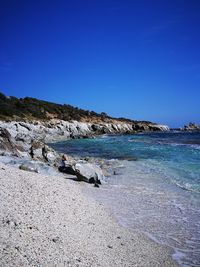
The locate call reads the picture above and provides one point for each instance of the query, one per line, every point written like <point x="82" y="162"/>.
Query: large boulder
<point x="67" y="168"/>
<point x="67" y="165"/>
<point x="7" y="145"/>
<point x="42" y="152"/>
<point x="88" y="172"/>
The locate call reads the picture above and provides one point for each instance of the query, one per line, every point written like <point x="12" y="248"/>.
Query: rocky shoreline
<point x="50" y="221"/>
<point x="25" y="143"/>
<point x="54" y="130"/>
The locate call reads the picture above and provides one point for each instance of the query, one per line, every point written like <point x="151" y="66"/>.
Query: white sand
<point x="47" y="221"/>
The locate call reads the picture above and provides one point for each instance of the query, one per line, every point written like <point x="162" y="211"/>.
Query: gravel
<point x="48" y="221"/>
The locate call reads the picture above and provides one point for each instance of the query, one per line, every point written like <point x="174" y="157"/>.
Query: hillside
<point x="28" y="109"/>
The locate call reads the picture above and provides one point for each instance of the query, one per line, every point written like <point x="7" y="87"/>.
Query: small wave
<point x="193" y="143"/>
<point x="132" y="140"/>
<point x="175" y="144"/>
<point x="195" y="147"/>
<point x="128" y="158"/>
<point x="104" y="136"/>
<point x="189" y="145"/>
<point x="187" y="187"/>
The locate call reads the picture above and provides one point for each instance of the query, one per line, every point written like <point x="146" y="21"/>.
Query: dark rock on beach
<point x="68" y="169"/>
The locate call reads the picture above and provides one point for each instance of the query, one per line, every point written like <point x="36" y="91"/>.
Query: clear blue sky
<point x="132" y="58"/>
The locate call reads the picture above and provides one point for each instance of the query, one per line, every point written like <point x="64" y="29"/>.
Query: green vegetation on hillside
<point x="33" y="109"/>
<point x="28" y="109"/>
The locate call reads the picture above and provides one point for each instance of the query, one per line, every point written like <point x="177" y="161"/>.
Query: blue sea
<point x="154" y="188"/>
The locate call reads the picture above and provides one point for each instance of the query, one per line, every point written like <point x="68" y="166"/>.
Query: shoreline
<point x="156" y="203"/>
<point x="52" y="223"/>
<point x="27" y="141"/>
<point x="22" y="135"/>
<point x="59" y="130"/>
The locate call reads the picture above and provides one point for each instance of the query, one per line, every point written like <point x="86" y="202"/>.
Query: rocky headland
<point x="27" y="143"/>
<point x="28" y="125"/>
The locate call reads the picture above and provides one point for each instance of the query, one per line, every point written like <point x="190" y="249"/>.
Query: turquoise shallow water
<point x="159" y="193"/>
<point x="176" y="153"/>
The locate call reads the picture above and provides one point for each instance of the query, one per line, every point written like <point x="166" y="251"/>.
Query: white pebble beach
<point x="48" y="221"/>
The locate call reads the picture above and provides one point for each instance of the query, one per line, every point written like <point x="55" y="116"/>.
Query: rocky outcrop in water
<point x="192" y="127"/>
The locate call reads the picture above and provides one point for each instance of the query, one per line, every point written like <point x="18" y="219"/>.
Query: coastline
<point x="143" y="186"/>
<point x="138" y="250"/>
<point x="58" y="130"/>
<point x="52" y="223"/>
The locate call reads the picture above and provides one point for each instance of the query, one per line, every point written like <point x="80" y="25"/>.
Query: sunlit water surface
<point x="156" y="189"/>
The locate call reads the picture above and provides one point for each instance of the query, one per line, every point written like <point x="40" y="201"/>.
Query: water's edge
<point x="153" y="214"/>
<point x="155" y="189"/>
